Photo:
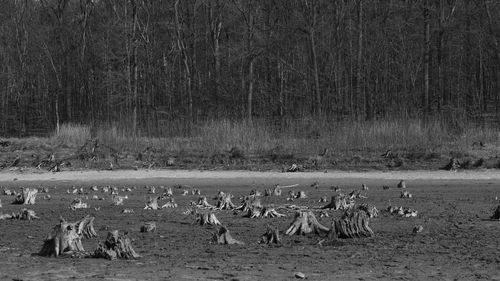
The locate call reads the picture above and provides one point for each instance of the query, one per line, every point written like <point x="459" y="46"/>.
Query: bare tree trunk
<point x="427" y="50"/>
<point x="359" y="76"/>
<point x="182" y="47"/>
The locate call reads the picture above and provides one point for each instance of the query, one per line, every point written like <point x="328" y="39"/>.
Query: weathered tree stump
<point x="116" y="246"/>
<point x="117" y="200"/>
<point x="152" y="190"/>
<point x="402" y="184"/>
<point x="339" y="202"/>
<point x="195" y="191"/>
<point x="304" y="223"/>
<point x="351" y="225"/>
<point x="272" y="236"/>
<point x="66" y="238"/>
<point x="496" y="214"/>
<point x="249" y="202"/>
<point x="224" y="202"/>
<point x="26" y="197"/>
<point x="207" y="218"/>
<point x="222" y="236"/>
<point x="152" y="204"/>
<point x="255" y="192"/>
<point x="149" y="226"/>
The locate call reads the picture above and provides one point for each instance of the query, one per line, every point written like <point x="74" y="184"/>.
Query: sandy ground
<point x="459" y="242"/>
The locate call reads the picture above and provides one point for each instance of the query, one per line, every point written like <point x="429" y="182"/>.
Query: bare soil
<point x="458" y="241"/>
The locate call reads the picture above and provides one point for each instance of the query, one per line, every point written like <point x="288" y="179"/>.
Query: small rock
<point x="300" y="275"/>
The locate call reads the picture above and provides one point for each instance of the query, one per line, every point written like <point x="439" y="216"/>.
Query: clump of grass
<point x="72" y="134"/>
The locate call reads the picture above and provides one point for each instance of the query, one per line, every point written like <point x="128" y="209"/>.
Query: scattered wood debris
<point x="222" y="236"/>
<point x="400" y="211"/>
<point x="263" y="212"/>
<point x="116" y="246"/>
<point x="66" y="238"/>
<point x="78" y="204"/>
<point x="418" y="229"/>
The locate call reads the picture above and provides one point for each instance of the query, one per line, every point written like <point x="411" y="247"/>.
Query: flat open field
<point x="458" y="242"/>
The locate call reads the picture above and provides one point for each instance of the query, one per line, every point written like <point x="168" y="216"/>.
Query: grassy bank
<point x="261" y="145"/>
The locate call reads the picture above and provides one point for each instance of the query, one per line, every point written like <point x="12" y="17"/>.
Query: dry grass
<point x="298" y="137"/>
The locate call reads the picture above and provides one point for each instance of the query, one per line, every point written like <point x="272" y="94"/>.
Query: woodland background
<point x="161" y="68"/>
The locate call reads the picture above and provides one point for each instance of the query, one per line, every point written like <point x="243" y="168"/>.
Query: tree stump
<point x="149" y="226"/>
<point x="249" y="202"/>
<point x="496" y="214"/>
<point x="222" y="236"/>
<point x="402" y="184"/>
<point x="116" y="246"/>
<point x="26" y="197"/>
<point x="152" y="190"/>
<point x="304" y="223"/>
<point x="152" y="204"/>
<point x="207" y="219"/>
<point x="272" y="236"/>
<point x="339" y="202"/>
<point x="117" y="200"/>
<point x="65" y="237"/>
<point x="224" y="202"/>
<point x="195" y="191"/>
<point x="351" y="225"/>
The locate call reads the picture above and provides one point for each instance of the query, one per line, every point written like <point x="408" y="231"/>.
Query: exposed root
<point x="222" y="236"/>
<point x="339" y="202"/>
<point x="207" y="219"/>
<point x="26" y="197"/>
<point x="351" y="225"/>
<point x="65" y="238"/>
<point x="116" y="246"/>
<point x="149" y="226"/>
<point x="272" y="236"/>
<point x="305" y="222"/>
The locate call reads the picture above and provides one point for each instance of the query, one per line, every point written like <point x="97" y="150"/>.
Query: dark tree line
<point x="146" y="63"/>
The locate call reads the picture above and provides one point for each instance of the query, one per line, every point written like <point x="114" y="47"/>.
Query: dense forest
<point x="147" y="64"/>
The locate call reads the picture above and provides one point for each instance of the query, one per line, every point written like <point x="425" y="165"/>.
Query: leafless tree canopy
<point x="145" y="63"/>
